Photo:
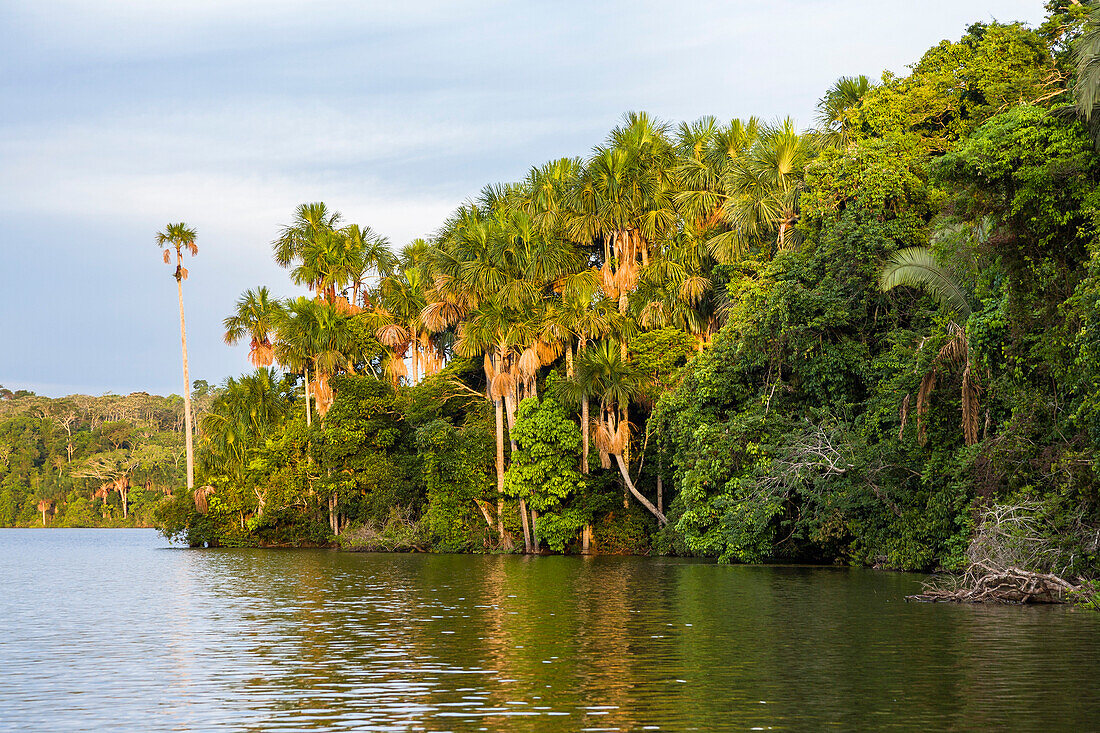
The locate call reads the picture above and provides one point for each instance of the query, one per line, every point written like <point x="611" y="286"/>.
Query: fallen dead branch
<point x="1015" y="556"/>
<point x="1011" y="585"/>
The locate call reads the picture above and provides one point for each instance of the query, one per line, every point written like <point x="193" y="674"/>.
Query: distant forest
<point x="84" y="461"/>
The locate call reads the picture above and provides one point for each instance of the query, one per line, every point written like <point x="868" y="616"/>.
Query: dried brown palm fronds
<point x="261" y="353"/>
<point x="927" y="384"/>
<point x="430" y="363"/>
<point x="612" y="441"/>
<point x="626" y="279"/>
<point x="602" y="439"/>
<point x="393" y="335"/>
<point x="397" y="370"/>
<point x="601" y="435"/>
<point x="548" y="351"/>
<point x="443" y="314"/>
<point x="199" y="496"/>
<point x="345" y="307"/>
<point x="956" y="352"/>
<point x="529" y="363"/>
<point x="621" y="438"/>
<point x="487" y="365"/>
<point x="957" y="349"/>
<point x="608" y="282"/>
<point x="322" y="394"/>
<point x="503" y="384"/>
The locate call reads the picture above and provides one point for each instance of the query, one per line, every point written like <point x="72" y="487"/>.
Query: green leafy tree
<point x="543" y="469"/>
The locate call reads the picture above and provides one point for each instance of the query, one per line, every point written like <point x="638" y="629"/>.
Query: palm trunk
<point x="510" y="403"/>
<point x="415" y="360"/>
<point x="624" y="417"/>
<point x="309" y="419"/>
<point x="499" y="413"/>
<point x="485" y="514"/>
<point x="186" y="388"/>
<point x="586" y="533"/>
<point x="526" y="527"/>
<point x="637" y="494"/>
<point x="584" y="434"/>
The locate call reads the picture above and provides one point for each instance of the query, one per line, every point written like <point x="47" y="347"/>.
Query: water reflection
<point x="103" y="629"/>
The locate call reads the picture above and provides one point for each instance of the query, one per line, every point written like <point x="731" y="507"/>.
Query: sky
<point x="120" y="116"/>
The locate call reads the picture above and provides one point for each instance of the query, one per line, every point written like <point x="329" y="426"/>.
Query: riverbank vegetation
<point x="736" y="340"/>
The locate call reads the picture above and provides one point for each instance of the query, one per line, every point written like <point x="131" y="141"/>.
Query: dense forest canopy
<point x="876" y="341"/>
<point x="84" y="461"/>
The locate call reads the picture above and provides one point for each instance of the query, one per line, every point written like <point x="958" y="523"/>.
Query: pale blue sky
<point x="119" y="116"/>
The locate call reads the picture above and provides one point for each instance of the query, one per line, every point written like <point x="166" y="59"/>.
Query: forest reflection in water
<point x="109" y="629"/>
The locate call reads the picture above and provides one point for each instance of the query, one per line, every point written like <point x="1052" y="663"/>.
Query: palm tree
<point x="314" y="334"/>
<point x="179" y="237"/>
<point x="396" y="319"/>
<point x="256" y="316"/>
<point x="311" y="223"/>
<point x="917" y="267"/>
<point x="602" y="373"/>
<point x="241" y="416"/>
<point x="836" y="110"/>
<point x="370" y="253"/>
<point x="1086" y="52"/>
<point x="623" y="199"/>
<point x="706" y="154"/>
<point x="763" y="187"/>
<point x="45" y="505"/>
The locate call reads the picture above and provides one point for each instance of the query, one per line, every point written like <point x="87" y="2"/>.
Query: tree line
<point x="83" y="461"/>
<point x="732" y="339"/>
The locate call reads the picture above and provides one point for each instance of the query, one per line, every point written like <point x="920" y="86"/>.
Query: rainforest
<point x="872" y="342"/>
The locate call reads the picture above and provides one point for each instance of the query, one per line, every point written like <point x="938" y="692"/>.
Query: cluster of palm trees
<point x="564" y="268"/>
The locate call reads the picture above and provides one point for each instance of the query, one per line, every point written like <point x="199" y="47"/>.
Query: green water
<point x="104" y="629"/>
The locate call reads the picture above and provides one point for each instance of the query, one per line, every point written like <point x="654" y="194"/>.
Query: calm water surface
<point x="114" y="630"/>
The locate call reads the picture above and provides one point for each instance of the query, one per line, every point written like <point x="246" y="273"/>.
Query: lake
<point x="115" y="629"/>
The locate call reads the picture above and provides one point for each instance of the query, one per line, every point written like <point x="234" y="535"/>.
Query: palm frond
<point x="917" y="267"/>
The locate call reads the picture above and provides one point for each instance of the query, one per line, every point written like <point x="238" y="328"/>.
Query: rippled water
<point x="113" y="630"/>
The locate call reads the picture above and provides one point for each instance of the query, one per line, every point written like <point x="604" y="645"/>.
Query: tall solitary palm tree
<point x="179" y="237"/>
